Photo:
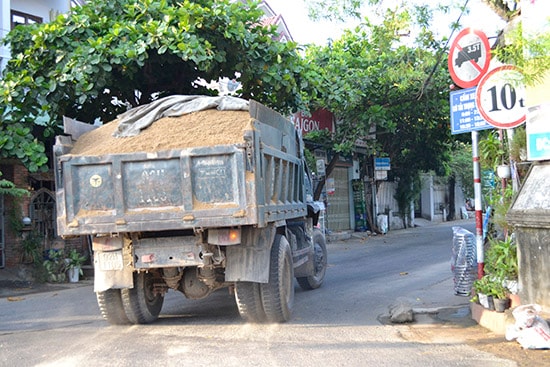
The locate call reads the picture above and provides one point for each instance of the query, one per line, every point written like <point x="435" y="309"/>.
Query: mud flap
<point x="249" y="261"/>
<point x="112" y="264"/>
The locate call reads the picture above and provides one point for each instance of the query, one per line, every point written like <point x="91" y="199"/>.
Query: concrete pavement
<point x="434" y="300"/>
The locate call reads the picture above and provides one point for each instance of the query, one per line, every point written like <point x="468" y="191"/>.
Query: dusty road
<point x="340" y="324"/>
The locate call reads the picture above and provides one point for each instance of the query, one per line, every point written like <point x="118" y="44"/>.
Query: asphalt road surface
<point x="339" y="324"/>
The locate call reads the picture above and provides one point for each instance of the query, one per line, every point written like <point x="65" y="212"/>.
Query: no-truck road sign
<point x="469" y="57"/>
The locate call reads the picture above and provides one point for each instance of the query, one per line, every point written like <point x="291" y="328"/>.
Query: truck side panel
<point x="280" y="179"/>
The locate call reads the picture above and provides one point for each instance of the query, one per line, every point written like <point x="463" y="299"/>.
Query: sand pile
<point x="202" y="128"/>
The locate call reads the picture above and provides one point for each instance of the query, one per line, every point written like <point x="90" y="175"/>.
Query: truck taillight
<point x="230" y="236"/>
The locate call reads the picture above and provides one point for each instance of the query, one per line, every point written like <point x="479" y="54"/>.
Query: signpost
<point x="469" y="57"/>
<point x="500" y="97"/>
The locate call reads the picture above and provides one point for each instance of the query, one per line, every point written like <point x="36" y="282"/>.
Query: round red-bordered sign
<point x="500" y="97"/>
<point x="469" y="57"/>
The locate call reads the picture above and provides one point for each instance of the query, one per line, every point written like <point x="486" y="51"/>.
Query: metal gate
<point x="42" y="213"/>
<point x="338" y="211"/>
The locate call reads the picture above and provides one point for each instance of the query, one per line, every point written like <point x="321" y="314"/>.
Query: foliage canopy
<point x="108" y="55"/>
<point x="375" y="83"/>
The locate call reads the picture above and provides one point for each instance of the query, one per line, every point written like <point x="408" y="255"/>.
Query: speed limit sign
<point x="500" y="97"/>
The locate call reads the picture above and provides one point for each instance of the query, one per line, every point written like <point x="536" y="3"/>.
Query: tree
<point x="341" y="9"/>
<point x="397" y="117"/>
<point x="108" y="55"/>
<point x="513" y="45"/>
<point x="504" y="9"/>
<point x="371" y="80"/>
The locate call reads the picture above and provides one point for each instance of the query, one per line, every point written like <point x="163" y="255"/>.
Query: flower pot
<point x="515" y="301"/>
<point x="74" y="274"/>
<point x="501" y="304"/>
<point x="486" y="301"/>
<point x="503" y="171"/>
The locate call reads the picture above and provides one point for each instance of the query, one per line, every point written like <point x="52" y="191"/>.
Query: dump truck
<point x="195" y="201"/>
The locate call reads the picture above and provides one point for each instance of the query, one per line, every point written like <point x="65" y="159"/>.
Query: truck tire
<point x="278" y="293"/>
<point x="320" y="263"/>
<point x="110" y="305"/>
<point x="140" y="303"/>
<point x="249" y="302"/>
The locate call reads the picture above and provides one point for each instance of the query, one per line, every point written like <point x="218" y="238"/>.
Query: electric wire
<point x="441" y="52"/>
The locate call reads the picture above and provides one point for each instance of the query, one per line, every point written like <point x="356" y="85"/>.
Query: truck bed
<point x="249" y="182"/>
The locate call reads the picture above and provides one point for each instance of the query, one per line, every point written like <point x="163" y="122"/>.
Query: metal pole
<point x="477" y="200"/>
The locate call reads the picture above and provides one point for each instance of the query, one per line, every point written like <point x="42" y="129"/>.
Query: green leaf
<point x="131" y="53"/>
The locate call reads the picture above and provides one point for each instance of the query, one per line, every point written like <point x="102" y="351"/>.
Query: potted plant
<point x="483" y="288"/>
<point x="502" y="261"/>
<point x="491" y="293"/>
<point x="55" y="266"/>
<point x="74" y="262"/>
<point x="500" y="295"/>
<point x="31" y="245"/>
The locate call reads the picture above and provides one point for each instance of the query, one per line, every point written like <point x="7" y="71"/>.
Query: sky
<point x="305" y="31"/>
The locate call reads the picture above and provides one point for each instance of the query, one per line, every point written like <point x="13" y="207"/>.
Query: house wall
<point x="14" y="210"/>
<point x="426" y="198"/>
<point x="4" y="29"/>
<point x="17" y="208"/>
<point x="435" y="197"/>
<point x="534" y="265"/>
<point x="46" y="9"/>
<point x="460" y="201"/>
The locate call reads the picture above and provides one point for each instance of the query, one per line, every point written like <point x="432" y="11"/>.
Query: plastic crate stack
<point x="463" y="261"/>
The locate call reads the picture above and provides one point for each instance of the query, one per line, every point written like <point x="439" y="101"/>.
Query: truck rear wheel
<point x="278" y="293"/>
<point x="110" y="305"/>
<point x="319" y="262"/>
<point x="141" y="304"/>
<point x="249" y="301"/>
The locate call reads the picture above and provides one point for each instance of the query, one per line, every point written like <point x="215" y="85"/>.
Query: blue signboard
<point x="538" y="146"/>
<point x="465" y="116"/>
<point x="538" y="132"/>
<point x="382" y="164"/>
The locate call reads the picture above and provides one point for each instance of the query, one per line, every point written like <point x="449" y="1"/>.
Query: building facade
<point x="28" y="218"/>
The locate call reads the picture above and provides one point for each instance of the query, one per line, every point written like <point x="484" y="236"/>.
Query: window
<point x="18" y="18"/>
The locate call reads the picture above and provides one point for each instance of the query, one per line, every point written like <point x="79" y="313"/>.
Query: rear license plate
<point x="110" y="260"/>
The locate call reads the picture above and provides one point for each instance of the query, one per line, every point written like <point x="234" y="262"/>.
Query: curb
<point x="492" y="320"/>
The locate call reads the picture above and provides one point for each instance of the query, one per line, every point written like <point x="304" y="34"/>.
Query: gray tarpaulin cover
<point x="133" y="121"/>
